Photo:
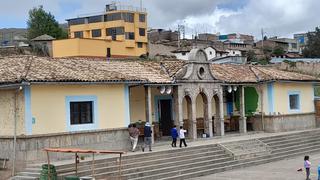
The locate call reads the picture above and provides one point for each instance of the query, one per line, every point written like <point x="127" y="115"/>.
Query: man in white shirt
<point x="182" y="137"/>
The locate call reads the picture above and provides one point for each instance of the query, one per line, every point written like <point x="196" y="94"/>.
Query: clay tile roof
<point x="270" y="73"/>
<point x="253" y="74"/>
<point x="17" y="69"/>
<point x="233" y="73"/>
<point x="44" y="37"/>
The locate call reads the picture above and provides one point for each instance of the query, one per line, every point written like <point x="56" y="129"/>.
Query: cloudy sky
<point x="277" y="17"/>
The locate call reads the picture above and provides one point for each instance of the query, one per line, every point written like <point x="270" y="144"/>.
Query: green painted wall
<point x="251" y="98"/>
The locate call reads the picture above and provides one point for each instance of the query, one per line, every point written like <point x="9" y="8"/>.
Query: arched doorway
<point x="202" y="115"/>
<point x="187" y="115"/>
<point x="217" y="115"/>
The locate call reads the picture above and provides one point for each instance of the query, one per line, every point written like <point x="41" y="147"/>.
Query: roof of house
<point x="44" y="37"/>
<point x="40" y="69"/>
<point x="36" y="69"/>
<point x="231" y="73"/>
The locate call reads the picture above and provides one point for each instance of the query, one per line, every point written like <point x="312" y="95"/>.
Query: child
<point x="174" y="135"/>
<point x="307" y="165"/>
<point x="182" y="137"/>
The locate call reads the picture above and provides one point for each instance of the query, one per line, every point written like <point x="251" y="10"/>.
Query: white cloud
<point x="277" y="17"/>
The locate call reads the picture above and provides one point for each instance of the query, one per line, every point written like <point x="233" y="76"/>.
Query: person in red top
<point x="134" y="136"/>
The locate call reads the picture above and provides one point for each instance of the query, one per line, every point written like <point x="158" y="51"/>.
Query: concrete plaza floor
<point x="280" y="170"/>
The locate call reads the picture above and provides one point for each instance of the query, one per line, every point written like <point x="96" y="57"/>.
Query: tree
<point x="312" y="49"/>
<point x="278" y="51"/>
<point x="41" y="22"/>
<point x="251" y="56"/>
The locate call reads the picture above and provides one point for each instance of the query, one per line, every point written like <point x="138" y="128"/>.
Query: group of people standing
<point x="134" y="134"/>
<point x="181" y="135"/>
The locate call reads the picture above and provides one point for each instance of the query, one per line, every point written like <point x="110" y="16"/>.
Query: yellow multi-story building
<point x="119" y="32"/>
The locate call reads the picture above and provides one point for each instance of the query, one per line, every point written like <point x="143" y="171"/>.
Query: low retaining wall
<point x="30" y="148"/>
<point x="288" y="122"/>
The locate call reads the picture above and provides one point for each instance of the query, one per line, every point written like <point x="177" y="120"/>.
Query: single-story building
<point x="90" y="102"/>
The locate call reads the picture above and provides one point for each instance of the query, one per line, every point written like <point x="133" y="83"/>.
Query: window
<point x="94" y="19"/>
<point x="115" y="31"/>
<point x="128" y="17"/>
<point x="81" y="113"/>
<point x="142" y="31"/>
<point x="210" y="52"/>
<point x="112" y="17"/>
<point x="78" y="34"/>
<point x="294" y="45"/>
<point x="140" y="45"/>
<point x="294" y="101"/>
<point x="183" y="53"/>
<point x="130" y="35"/>
<point x="142" y="18"/>
<point x="76" y="21"/>
<point x="96" y="33"/>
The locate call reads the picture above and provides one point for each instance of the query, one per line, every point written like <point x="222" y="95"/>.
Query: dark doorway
<point x="165" y="112"/>
<point x="108" y="52"/>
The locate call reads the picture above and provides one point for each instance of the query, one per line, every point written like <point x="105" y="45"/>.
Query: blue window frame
<point x="81" y="113"/>
<point x="294" y="103"/>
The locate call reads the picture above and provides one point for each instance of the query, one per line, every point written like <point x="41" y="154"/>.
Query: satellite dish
<point x="162" y="89"/>
<point x="229" y="89"/>
<point x="168" y="90"/>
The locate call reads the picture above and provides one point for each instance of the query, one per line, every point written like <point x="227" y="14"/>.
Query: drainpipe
<point x="15" y="130"/>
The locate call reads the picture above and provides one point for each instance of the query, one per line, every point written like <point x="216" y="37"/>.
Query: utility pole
<point x="262" y="34"/>
<point x="181" y="28"/>
<point x="141" y="5"/>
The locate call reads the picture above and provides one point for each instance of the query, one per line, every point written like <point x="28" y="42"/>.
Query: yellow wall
<point x="281" y="97"/>
<point x="96" y="48"/>
<point x="48" y="106"/>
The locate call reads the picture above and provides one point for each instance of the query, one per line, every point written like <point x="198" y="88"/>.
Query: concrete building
<point x="119" y="32"/>
<point x="288" y="45"/>
<point x="237" y="38"/>
<point x="89" y="103"/>
<point x="184" y="53"/>
<point x="156" y="35"/>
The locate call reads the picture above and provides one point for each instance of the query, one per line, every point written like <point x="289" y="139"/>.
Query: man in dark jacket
<point x="147" y="136"/>
<point x="174" y="135"/>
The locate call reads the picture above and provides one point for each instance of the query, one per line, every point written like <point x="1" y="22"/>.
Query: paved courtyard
<point x="280" y="170"/>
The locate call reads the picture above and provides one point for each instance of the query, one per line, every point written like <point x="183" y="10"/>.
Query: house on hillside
<point x="88" y="102"/>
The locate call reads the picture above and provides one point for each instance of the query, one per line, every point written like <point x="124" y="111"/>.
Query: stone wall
<point x="302" y="67"/>
<point x="30" y="148"/>
<point x="289" y="122"/>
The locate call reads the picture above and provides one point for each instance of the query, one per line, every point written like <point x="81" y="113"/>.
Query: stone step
<point x="242" y="164"/>
<point x="170" y="164"/>
<point x="274" y="150"/>
<point x="281" y="137"/>
<point x="23" y="178"/>
<point x="128" y="158"/>
<point x="297" y="139"/>
<point x="138" y="163"/>
<point x="165" y="172"/>
<point x="293" y="143"/>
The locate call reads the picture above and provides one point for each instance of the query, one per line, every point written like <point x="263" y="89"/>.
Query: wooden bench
<point x="4" y="163"/>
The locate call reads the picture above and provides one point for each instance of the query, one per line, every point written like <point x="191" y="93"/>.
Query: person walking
<point x="134" y="136"/>
<point x="174" y="135"/>
<point x="182" y="137"/>
<point x="147" y="136"/>
<point x="307" y="165"/>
